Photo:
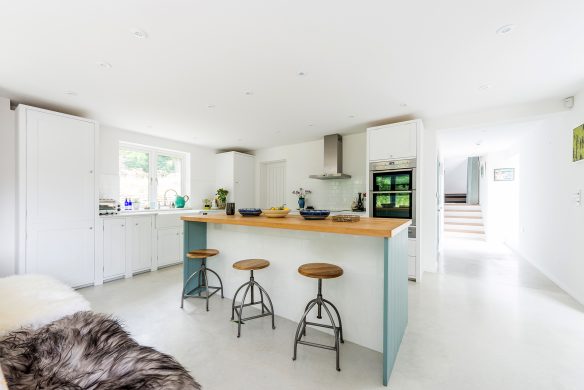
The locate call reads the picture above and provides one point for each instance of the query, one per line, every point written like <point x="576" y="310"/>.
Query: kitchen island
<point x="371" y="296"/>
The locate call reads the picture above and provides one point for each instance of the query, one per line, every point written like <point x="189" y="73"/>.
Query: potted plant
<point x="222" y="197"/>
<point x="301" y="193"/>
<point x="207" y="204"/>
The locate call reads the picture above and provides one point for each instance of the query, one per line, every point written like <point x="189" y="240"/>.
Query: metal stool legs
<point x="203" y="285"/>
<point x="239" y="308"/>
<point x="320" y="303"/>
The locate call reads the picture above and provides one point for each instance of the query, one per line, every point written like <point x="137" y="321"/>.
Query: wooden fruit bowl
<point x="275" y="213"/>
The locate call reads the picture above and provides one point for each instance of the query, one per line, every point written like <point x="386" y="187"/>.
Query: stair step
<point x="463" y="223"/>
<point x="468" y="231"/>
<point x="461" y="207"/>
<point x="465" y="216"/>
<point x="458" y="214"/>
<point x="465" y="236"/>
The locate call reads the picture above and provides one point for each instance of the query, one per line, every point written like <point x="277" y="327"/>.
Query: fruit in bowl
<point x="276" y="212"/>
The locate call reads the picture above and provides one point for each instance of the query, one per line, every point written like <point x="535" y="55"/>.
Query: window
<point x="146" y="174"/>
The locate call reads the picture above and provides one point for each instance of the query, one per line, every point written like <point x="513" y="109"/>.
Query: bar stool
<point x="203" y="285"/>
<point x="251" y="265"/>
<point x="320" y="271"/>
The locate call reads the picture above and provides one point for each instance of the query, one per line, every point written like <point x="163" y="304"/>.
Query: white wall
<point x="7" y="188"/>
<point x="551" y="226"/>
<point x="305" y="159"/>
<point x="455" y="176"/>
<point x="202" y="160"/>
<point x="500" y="199"/>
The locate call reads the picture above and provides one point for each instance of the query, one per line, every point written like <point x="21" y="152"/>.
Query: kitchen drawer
<point x="412" y="245"/>
<point x="412" y="266"/>
<point x="168" y="221"/>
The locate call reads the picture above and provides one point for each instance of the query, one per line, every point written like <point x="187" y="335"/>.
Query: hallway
<point x="489" y="320"/>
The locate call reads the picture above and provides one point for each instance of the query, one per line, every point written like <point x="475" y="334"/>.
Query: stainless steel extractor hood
<point x="333" y="159"/>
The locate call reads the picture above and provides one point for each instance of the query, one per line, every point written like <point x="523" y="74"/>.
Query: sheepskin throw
<point x="86" y="351"/>
<point x="36" y="300"/>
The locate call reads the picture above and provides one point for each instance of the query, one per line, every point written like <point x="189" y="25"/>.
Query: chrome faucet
<point x="166" y="192"/>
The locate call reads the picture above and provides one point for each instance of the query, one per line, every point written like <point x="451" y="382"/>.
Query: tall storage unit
<point x="57" y="195"/>
<point x="234" y="171"/>
<point x="398" y="141"/>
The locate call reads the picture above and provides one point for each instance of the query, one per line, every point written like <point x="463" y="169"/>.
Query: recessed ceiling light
<point x="351" y="116"/>
<point x="310" y="124"/>
<point x="210" y="106"/>
<point x="104" y="65"/>
<point x="249" y="93"/>
<point x="71" y="93"/>
<point x="506" y="29"/>
<point x="140" y="34"/>
<point x="485" y="87"/>
<point x="403" y="105"/>
<point x="301" y="74"/>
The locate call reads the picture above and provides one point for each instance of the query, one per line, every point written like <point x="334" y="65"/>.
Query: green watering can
<point x="180" y="201"/>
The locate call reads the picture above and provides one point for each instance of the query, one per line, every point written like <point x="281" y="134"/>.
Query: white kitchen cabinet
<point x="235" y="172"/>
<point x="114" y="248"/>
<point x="57" y="198"/>
<point x="170" y="246"/>
<point x="127" y="245"/>
<point x="392" y="142"/>
<point x="140" y="232"/>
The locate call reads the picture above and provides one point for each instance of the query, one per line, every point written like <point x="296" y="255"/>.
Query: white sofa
<point x="36" y="300"/>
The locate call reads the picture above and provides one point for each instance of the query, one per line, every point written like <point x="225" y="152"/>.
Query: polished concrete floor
<point x="487" y="320"/>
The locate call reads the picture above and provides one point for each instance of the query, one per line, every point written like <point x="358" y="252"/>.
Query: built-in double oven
<point x="392" y="190"/>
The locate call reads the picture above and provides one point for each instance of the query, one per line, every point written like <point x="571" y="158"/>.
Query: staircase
<point x="463" y="221"/>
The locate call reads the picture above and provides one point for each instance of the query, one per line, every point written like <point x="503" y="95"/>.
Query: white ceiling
<point x="480" y="141"/>
<point x="360" y="58"/>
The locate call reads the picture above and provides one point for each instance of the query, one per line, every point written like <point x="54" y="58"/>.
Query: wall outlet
<point x="578" y="198"/>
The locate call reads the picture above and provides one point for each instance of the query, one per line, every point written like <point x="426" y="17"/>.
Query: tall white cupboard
<point x="234" y="171"/>
<point x="57" y="198"/>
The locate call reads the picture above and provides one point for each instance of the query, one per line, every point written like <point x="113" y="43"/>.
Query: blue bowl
<point x="250" y="212"/>
<point x="315" y="214"/>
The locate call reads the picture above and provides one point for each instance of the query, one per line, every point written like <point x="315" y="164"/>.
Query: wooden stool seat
<point x="320" y="270"/>
<point x="202" y="253"/>
<point x="251" y="264"/>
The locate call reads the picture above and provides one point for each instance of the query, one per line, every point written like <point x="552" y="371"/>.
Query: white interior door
<point x="60" y="197"/>
<point x="273" y="183"/>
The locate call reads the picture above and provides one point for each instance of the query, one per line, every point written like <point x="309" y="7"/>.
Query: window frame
<point x="153" y="154"/>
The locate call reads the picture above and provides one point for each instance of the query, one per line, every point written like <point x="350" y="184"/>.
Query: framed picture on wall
<point x="578" y="143"/>
<point x="504" y="174"/>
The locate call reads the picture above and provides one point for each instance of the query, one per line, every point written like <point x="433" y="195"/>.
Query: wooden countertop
<point x="374" y="227"/>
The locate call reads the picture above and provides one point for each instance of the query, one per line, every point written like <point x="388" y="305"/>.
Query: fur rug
<point x="36" y="300"/>
<point x="86" y="351"/>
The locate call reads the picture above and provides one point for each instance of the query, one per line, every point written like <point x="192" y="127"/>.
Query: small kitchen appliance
<point x="108" y="207"/>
